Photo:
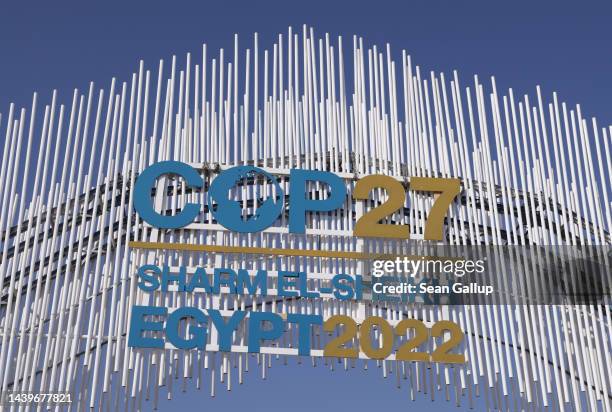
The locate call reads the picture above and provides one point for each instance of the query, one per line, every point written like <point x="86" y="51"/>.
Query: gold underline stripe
<point x="266" y="251"/>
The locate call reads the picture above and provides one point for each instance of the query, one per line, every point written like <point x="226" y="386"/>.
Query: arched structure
<point x="533" y="172"/>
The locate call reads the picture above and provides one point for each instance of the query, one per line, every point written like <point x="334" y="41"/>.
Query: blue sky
<point x="306" y="388"/>
<point x="563" y="46"/>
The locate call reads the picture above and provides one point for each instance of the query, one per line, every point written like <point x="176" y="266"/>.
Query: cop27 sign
<point x="160" y="327"/>
<point x="228" y="212"/>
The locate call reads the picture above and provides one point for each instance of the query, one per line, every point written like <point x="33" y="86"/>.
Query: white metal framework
<point x="533" y="172"/>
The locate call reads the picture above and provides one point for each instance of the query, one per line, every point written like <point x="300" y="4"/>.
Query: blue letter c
<point x="142" y="194"/>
